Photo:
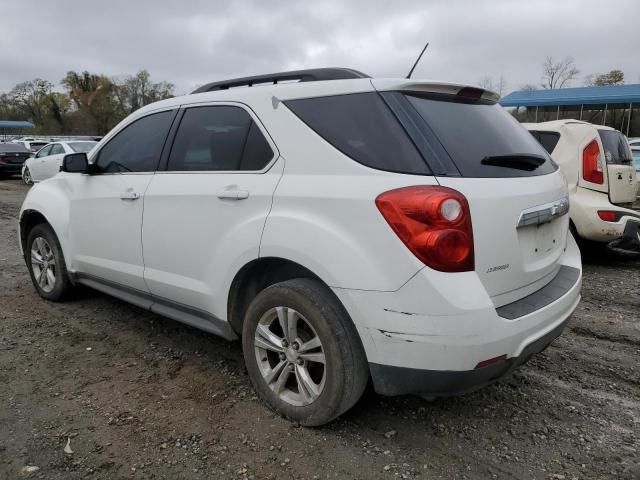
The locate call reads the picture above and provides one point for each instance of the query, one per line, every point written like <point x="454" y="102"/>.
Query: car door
<point x="51" y="163"/>
<point x="107" y="205"/>
<point x="36" y="165"/>
<point x="205" y="211"/>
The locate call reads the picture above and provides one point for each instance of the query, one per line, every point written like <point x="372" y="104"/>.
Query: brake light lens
<point x="2" y="158"/>
<point x="607" y="215"/>
<point x="592" y="164"/>
<point x="434" y="223"/>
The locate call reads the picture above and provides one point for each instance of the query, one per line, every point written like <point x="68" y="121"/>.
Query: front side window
<point x="44" y="152"/>
<point x="218" y="138"/>
<point x="137" y="147"/>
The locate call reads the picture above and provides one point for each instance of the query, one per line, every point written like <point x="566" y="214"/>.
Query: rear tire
<point x="46" y="264"/>
<point x="303" y="353"/>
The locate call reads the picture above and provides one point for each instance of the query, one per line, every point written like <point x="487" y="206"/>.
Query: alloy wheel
<point x="290" y="356"/>
<point x="26" y="177"/>
<point x="43" y="264"/>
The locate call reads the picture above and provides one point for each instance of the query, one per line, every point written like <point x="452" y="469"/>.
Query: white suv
<point x="344" y="227"/>
<point x="597" y="162"/>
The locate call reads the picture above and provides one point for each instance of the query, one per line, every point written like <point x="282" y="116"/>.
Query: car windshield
<point x="81" y="147"/>
<point x="616" y="147"/>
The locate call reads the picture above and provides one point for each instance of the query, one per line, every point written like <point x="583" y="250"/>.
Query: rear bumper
<point x="585" y="205"/>
<point x="430" y="336"/>
<point x="11" y="168"/>
<point x="391" y="381"/>
<point x="630" y="239"/>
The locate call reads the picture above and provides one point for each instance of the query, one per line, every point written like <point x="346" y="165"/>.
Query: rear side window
<point x="219" y="138"/>
<point x="616" y="148"/>
<point x="138" y="146"/>
<point x="548" y="140"/>
<point x="481" y="138"/>
<point x="362" y="127"/>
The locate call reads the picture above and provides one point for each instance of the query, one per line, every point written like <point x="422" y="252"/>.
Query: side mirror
<point x="75" y="163"/>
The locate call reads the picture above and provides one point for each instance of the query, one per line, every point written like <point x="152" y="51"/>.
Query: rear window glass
<point x="616" y="148"/>
<point x="35" y="146"/>
<point x="482" y="139"/>
<point x="362" y="127"/>
<point x="548" y="140"/>
<point x="12" y="147"/>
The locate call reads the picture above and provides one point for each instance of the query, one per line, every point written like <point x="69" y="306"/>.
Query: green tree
<point x="614" y="77"/>
<point x="93" y="96"/>
<point x="136" y="91"/>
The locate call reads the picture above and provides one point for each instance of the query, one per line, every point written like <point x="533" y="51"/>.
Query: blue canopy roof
<point x="573" y="96"/>
<point x="15" y="124"/>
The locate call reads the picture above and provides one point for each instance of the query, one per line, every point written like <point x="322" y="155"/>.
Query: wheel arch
<point x="257" y="275"/>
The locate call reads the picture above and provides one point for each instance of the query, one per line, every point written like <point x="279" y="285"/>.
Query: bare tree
<point x="558" y="74"/>
<point x="529" y="87"/>
<point x="488" y="83"/>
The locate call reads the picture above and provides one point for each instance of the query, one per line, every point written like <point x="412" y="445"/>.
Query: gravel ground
<point x="140" y="396"/>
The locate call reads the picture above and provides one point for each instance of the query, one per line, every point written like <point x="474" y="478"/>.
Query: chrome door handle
<point x="233" y="194"/>
<point x="129" y="195"/>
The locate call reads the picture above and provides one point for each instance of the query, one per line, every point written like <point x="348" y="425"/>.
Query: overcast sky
<point x="193" y="42"/>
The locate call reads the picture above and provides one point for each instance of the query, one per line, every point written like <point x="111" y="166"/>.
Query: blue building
<point x="617" y="106"/>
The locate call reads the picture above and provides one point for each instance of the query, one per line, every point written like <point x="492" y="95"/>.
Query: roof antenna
<point x="419" y="57"/>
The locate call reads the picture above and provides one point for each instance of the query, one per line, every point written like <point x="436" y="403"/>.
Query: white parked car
<point x="31" y="144"/>
<point x="337" y="225"/>
<point x="597" y="162"/>
<point x="47" y="161"/>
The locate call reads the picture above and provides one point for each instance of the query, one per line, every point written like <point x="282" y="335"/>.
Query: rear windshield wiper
<point x="519" y="161"/>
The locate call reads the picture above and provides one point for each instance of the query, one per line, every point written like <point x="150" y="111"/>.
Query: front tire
<point x="46" y="264"/>
<point x="303" y="353"/>
<point x="26" y="177"/>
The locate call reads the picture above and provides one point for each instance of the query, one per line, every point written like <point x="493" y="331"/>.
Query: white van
<point x="597" y="163"/>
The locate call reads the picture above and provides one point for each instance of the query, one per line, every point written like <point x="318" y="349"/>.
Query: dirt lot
<point x="140" y="396"/>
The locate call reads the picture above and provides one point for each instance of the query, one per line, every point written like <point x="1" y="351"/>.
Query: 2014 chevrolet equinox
<point x="344" y="227"/>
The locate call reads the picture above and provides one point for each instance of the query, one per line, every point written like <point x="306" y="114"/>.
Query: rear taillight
<point x="2" y="159"/>
<point x="434" y="223"/>
<point x="607" y="215"/>
<point x="591" y="164"/>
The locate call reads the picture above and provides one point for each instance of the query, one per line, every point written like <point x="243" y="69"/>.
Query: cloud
<point x="194" y="42"/>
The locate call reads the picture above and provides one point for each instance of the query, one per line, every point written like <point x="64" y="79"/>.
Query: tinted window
<point x="362" y="127"/>
<point x="82" y="147"/>
<point x="616" y="147"/>
<point x="219" y="138"/>
<point x="548" y="140"/>
<point x="481" y="138"/>
<point x="44" y="152"/>
<point x="138" y="146"/>
<point x="57" y="149"/>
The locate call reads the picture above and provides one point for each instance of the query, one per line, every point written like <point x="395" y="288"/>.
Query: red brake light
<point x="607" y="215"/>
<point x="2" y="158"/>
<point x="591" y="166"/>
<point x="434" y="223"/>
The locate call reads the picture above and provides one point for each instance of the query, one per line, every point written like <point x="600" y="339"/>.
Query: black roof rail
<point x="311" y="75"/>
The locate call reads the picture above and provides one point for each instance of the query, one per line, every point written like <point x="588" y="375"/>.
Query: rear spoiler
<point x="437" y="88"/>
